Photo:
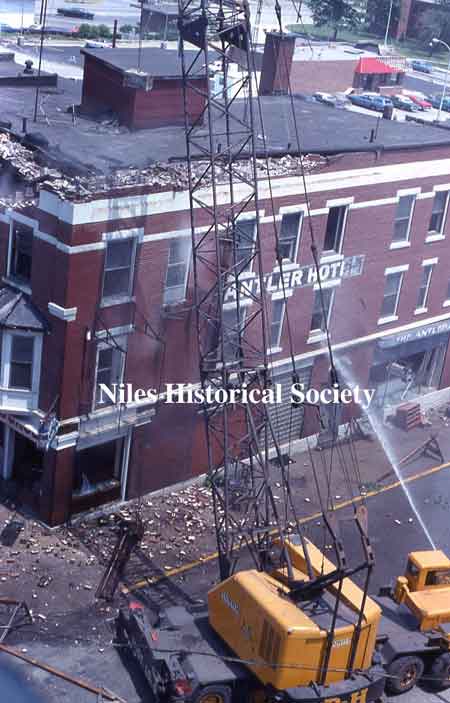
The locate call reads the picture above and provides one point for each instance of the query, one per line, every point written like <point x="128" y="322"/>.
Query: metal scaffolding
<point x="228" y="280"/>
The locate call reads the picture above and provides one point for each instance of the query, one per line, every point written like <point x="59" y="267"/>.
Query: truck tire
<point x="440" y="672"/>
<point x="213" y="694"/>
<point x="405" y="672"/>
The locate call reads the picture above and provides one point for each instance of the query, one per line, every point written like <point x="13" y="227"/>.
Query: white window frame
<point x="436" y="235"/>
<point x="275" y="345"/>
<point x="300" y="211"/>
<point x="406" y="242"/>
<point x="388" y="271"/>
<point x="22" y="399"/>
<point x="136" y="236"/>
<point x="430" y="264"/>
<point x="188" y="243"/>
<point x="121" y="342"/>
<point x="337" y="204"/>
<point x="248" y="217"/>
<point x="317" y="333"/>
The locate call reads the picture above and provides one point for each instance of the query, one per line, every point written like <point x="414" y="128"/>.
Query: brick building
<point x="97" y="288"/>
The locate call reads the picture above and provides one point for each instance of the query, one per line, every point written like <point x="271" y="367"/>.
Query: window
<point x="335" y="229"/>
<point x="289" y="234"/>
<point x="20" y="256"/>
<point x="392" y="285"/>
<point x="321" y="310"/>
<point x="403" y="217"/>
<point x="438" y="212"/>
<point x="119" y="263"/>
<point x="424" y="286"/>
<point x="177" y="270"/>
<point x="438" y="578"/>
<point x="276" y="326"/>
<point x="110" y="366"/>
<point x="21" y="362"/>
<point x="245" y="233"/>
<point x="231" y="326"/>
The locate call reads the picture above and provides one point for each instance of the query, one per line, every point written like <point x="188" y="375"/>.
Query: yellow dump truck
<point x="414" y="633"/>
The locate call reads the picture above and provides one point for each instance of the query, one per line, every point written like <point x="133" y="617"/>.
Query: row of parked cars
<point x="412" y="102"/>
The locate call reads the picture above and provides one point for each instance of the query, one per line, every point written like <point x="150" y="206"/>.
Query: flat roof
<point x="156" y="62"/>
<point x="89" y="148"/>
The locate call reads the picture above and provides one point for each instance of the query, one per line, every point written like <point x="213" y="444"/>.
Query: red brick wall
<point x="329" y="76"/>
<point x="276" y="64"/>
<point x="138" y="109"/>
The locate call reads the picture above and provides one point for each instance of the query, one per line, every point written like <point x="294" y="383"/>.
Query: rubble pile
<point x="20" y="159"/>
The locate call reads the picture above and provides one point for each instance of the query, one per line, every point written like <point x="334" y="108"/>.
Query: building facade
<point x="99" y="289"/>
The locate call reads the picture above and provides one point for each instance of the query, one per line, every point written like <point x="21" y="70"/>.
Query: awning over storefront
<point x="411" y="342"/>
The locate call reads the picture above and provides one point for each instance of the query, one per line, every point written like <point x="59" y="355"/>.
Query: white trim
<point x="136" y="232"/>
<point x="405" y="194"/>
<point x="446" y="304"/>
<point x="15" y="284"/>
<point x="340" y="202"/>
<point x="66" y="314"/>
<point x="291" y="210"/>
<point x="274" y="350"/>
<point x="69" y="248"/>
<point x="389" y="318"/>
<point x="174" y="234"/>
<point x="396" y="269"/>
<point x="420" y="311"/>
<point x="430" y="262"/>
<point x="434" y="238"/>
<point x="114" y="331"/>
<point x="279" y="294"/>
<point x="408" y="191"/>
<point x="400" y="244"/>
<point x="314" y="338"/>
<point x="441" y="186"/>
<point x="330" y="258"/>
<point x="332" y="283"/>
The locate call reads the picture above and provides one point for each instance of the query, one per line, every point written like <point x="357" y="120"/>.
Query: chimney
<point x="277" y="63"/>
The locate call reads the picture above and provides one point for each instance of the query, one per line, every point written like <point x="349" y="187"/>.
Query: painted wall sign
<point x="413" y="335"/>
<point x="298" y="277"/>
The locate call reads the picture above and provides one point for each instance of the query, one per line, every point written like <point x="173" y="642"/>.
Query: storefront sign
<point x="415" y="334"/>
<point x="298" y="277"/>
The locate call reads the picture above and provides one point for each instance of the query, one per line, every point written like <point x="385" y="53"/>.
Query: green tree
<point x="127" y="29"/>
<point x="336" y="13"/>
<point x="104" y="31"/>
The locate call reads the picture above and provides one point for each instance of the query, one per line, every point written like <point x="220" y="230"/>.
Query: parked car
<point x="403" y="102"/>
<point x="435" y="100"/>
<point x="371" y="101"/>
<point x="362" y="100"/>
<point x="421" y="102"/>
<point x="75" y="12"/>
<point x="422" y="66"/>
<point x="325" y="98"/>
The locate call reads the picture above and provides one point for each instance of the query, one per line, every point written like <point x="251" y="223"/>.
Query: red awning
<point x="370" y="64"/>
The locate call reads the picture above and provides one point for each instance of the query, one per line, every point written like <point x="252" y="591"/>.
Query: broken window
<point x="98" y="468"/>
<point x="110" y="367"/>
<point x="233" y="323"/>
<point x="424" y="286"/>
<point x="20" y="254"/>
<point x="276" y="326"/>
<point x="321" y="310"/>
<point x="21" y="362"/>
<point x="119" y="264"/>
<point x="403" y="217"/>
<point x="289" y="235"/>
<point x="392" y="286"/>
<point x="177" y="270"/>
<point x="438" y="212"/>
<point x="334" y="233"/>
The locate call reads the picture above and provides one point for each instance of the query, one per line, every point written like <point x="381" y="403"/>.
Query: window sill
<point x="446" y="304"/>
<point x="274" y="350"/>
<point x="328" y="257"/>
<point x="16" y="284"/>
<point x="316" y="337"/>
<point x="117" y="300"/>
<point x="420" y="311"/>
<point x="434" y="237"/>
<point x="385" y="320"/>
<point x="400" y="245"/>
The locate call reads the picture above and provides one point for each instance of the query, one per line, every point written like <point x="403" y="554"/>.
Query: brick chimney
<point x="277" y="63"/>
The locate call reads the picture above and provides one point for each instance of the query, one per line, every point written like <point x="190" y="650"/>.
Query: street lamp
<point x="433" y="42"/>
<point x="388" y="24"/>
